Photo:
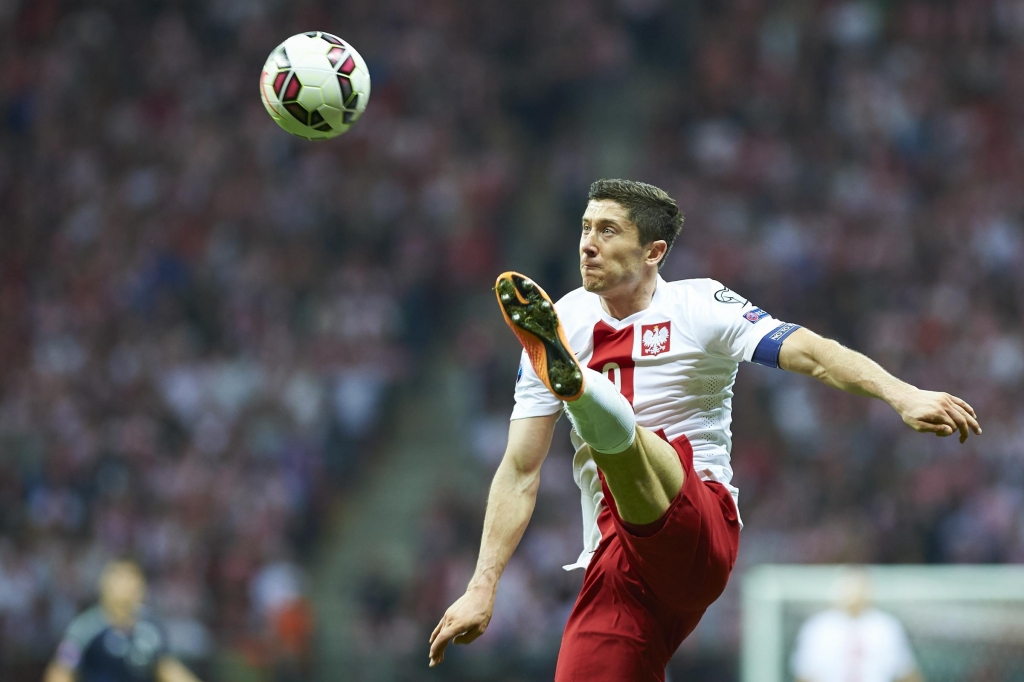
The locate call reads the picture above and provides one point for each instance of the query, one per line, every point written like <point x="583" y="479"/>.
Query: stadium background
<point x="273" y="369"/>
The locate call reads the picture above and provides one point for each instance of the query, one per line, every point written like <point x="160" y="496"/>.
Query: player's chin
<point x="592" y="282"/>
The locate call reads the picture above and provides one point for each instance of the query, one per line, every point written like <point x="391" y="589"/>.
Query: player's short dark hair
<point x="655" y="214"/>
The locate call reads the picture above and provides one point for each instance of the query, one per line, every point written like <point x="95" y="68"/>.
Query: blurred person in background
<point x="278" y="596"/>
<point x="854" y="642"/>
<point x="118" y="639"/>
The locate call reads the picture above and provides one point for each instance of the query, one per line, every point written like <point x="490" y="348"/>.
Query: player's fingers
<point x="437" y="644"/>
<point x="939" y="429"/>
<point x="441" y="642"/>
<point x="972" y="418"/>
<point x="942" y="417"/>
<point x="437" y="651"/>
<point x="433" y="635"/>
<point x="963" y="403"/>
<point x="960" y="419"/>
<point x="972" y="423"/>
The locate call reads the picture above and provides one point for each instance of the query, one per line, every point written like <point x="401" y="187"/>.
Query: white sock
<point x="602" y="416"/>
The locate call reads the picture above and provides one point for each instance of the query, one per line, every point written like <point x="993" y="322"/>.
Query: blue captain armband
<point x="767" y="351"/>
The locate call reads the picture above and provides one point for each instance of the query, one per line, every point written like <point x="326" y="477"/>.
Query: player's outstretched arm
<point x="943" y="414"/>
<point x="509" y="508"/>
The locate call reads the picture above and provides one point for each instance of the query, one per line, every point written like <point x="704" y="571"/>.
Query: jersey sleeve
<point x="77" y="638"/>
<point x="533" y="399"/>
<point x="69" y="653"/>
<point x="729" y="326"/>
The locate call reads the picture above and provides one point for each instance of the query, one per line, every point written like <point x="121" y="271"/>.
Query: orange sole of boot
<point x="529" y="312"/>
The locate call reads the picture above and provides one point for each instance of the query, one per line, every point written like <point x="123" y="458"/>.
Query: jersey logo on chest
<point x="655" y="338"/>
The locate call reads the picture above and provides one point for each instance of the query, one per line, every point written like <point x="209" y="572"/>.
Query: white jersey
<point x="675" y="362"/>
<point x="834" y="646"/>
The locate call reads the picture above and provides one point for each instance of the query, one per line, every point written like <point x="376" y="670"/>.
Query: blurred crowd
<point x="202" y="319"/>
<point x="195" y="344"/>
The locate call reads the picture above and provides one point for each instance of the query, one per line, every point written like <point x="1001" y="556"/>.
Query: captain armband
<point x="767" y="351"/>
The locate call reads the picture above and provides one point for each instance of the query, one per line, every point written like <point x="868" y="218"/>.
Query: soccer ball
<point x="315" y="85"/>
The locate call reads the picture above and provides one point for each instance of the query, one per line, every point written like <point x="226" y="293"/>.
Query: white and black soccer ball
<point x="315" y="85"/>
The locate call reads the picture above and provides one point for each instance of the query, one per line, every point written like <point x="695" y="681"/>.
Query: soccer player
<point x="649" y="395"/>
<point x="117" y="640"/>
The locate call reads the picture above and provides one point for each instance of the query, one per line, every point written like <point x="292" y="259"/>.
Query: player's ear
<point x="656" y="251"/>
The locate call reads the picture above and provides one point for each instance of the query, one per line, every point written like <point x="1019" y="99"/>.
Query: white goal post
<point x="958" y="617"/>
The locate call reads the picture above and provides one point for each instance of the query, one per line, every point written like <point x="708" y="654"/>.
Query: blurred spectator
<point x="853" y="641"/>
<point x="117" y="640"/>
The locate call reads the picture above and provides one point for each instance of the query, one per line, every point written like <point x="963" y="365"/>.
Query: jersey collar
<point x="656" y="301"/>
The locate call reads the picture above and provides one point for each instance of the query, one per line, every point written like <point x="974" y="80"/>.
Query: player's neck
<point x="119" y="618"/>
<point x="622" y="303"/>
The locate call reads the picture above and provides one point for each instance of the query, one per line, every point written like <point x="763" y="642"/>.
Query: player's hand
<point x="464" y="621"/>
<point x="939" y="413"/>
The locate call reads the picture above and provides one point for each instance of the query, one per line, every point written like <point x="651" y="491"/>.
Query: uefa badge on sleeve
<point x="755" y="314"/>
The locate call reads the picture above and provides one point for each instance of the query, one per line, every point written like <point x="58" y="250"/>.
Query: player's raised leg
<point x="644" y="479"/>
<point x="642" y="470"/>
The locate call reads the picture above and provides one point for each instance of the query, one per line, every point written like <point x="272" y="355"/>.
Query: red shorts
<point x="647" y="587"/>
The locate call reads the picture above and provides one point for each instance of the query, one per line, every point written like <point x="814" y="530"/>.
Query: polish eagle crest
<point x="655" y="338"/>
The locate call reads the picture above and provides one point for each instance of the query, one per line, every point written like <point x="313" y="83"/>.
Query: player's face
<point x="122" y="590"/>
<point x="611" y="256"/>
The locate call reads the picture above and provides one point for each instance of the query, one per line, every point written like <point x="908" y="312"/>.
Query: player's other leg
<point x="642" y="470"/>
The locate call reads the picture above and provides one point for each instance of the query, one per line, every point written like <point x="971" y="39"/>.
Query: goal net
<point x="963" y="623"/>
